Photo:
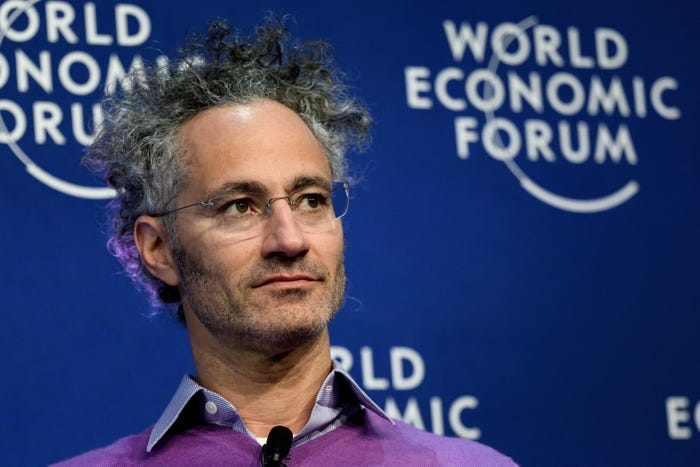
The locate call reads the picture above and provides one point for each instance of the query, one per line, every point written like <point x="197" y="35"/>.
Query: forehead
<point x="264" y="141"/>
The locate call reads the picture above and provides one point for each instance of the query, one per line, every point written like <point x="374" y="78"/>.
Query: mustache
<point x="286" y="266"/>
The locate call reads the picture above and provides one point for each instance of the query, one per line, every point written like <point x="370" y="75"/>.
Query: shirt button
<point x="211" y="407"/>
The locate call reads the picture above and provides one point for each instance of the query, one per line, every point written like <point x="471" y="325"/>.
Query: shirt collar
<point x="337" y="392"/>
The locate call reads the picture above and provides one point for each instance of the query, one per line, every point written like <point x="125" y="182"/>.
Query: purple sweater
<point x="365" y="439"/>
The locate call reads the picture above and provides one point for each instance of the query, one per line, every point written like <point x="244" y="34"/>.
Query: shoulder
<point x="404" y="440"/>
<point x="129" y="449"/>
<point x="206" y="444"/>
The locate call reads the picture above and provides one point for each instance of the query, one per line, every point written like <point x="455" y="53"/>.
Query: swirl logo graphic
<point x="562" y="202"/>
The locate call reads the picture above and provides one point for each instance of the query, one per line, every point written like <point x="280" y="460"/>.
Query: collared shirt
<point x="199" y="427"/>
<point x="337" y="400"/>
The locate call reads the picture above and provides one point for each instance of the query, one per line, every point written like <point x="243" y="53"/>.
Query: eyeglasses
<point x="314" y="207"/>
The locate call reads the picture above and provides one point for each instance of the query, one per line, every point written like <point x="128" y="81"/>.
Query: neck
<point x="266" y="389"/>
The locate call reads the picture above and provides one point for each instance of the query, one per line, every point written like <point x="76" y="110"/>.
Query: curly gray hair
<point x="136" y="149"/>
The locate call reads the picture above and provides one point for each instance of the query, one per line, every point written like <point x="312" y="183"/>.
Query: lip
<point x="286" y="281"/>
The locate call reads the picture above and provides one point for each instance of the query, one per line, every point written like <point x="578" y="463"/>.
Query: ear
<point x="153" y="244"/>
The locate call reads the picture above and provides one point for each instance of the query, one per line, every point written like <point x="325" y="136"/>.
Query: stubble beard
<point x="264" y="321"/>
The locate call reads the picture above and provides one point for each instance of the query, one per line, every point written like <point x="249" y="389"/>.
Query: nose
<point x="283" y="236"/>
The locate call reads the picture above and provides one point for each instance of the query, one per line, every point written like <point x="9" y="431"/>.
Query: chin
<point x="287" y="339"/>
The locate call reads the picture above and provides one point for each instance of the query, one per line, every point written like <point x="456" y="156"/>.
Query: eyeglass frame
<point x="335" y="186"/>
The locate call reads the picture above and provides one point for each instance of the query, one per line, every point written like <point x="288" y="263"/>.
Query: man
<point x="229" y="171"/>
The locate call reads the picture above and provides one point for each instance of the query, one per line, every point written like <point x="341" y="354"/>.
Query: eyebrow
<point x="245" y="186"/>
<point x="306" y="181"/>
<point x="257" y="188"/>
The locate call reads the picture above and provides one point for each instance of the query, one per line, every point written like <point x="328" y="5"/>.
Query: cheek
<point x="335" y="252"/>
<point x="226" y="260"/>
<point x="231" y="252"/>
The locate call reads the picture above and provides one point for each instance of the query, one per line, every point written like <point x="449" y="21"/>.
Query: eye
<point x="241" y="206"/>
<point x="312" y="201"/>
<point x="314" y="204"/>
<point x="237" y="207"/>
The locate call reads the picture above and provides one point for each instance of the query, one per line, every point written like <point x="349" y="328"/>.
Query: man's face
<point x="280" y="288"/>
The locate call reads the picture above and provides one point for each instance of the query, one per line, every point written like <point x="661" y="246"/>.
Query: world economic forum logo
<point x="550" y="100"/>
<point x="57" y="59"/>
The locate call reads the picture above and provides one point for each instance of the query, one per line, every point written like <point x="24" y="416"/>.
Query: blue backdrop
<point x="522" y="245"/>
